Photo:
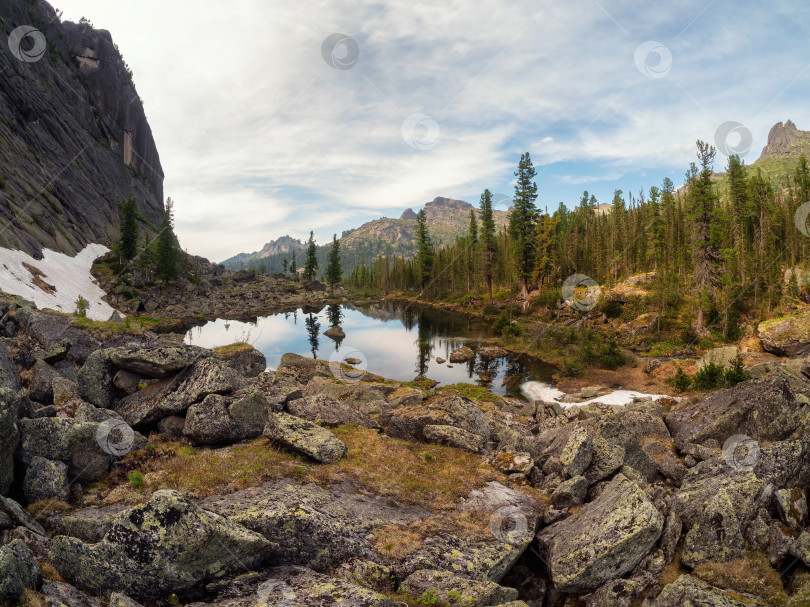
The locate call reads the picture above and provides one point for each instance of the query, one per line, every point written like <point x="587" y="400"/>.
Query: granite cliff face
<point x="786" y="140"/>
<point x="74" y="138"/>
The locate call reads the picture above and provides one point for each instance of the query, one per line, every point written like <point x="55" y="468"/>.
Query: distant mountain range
<point x="447" y="219"/>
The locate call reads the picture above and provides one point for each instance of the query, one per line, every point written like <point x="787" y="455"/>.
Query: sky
<point x="277" y="117"/>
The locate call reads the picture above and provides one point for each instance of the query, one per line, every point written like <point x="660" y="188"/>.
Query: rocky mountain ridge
<point x="74" y="138"/>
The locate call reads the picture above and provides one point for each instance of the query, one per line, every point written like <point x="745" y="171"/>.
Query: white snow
<point x="69" y="275"/>
<point x="537" y="390"/>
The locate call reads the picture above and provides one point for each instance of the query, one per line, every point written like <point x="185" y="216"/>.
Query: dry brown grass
<point x="49" y="572"/>
<point x="42" y="509"/>
<point x="232" y="349"/>
<point x="400" y="541"/>
<point x="32" y="598"/>
<point x="432" y="476"/>
<point x="752" y="574"/>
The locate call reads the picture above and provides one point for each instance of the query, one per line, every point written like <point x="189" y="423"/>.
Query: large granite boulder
<point x="409" y="422"/>
<point x="19" y="571"/>
<point x="366" y="398"/>
<point x="305" y="437"/>
<point x="96" y="380"/>
<point x="159" y="361"/>
<point x="688" y="590"/>
<point x="173" y="396"/>
<point x="323" y="409"/>
<point x="302" y="368"/>
<point x="167" y="545"/>
<point x="605" y="540"/>
<point x="42" y="382"/>
<point x="446" y="587"/>
<point x="243" y="358"/>
<point x="46" y="479"/>
<point x="761" y="409"/>
<point x="786" y="336"/>
<point x="219" y="419"/>
<point x="9" y="376"/>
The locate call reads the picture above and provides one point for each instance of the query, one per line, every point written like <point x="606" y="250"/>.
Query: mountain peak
<point x="785" y="139"/>
<point x="408" y="214"/>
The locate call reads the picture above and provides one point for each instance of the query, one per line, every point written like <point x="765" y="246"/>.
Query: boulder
<point x="157" y="362"/>
<point x="801" y="548"/>
<point x="303" y="369"/>
<point x="577" y="454"/>
<point x="720" y="356"/>
<point x="792" y="506"/>
<point x="336" y="333"/>
<point x="172" y="426"/>
<point x="60" y="594"/>
<point x="786" y="336"/>
<point x="19" y="571"/>
<point x="491" y="352"/>
<point x="511" y="462"/>
<point x="11" y="511"/>
<point x="9" y="376"/>
<point x="409" y="422"/>
<point x="278" y="389"/>
<point x="761" y="409"/>
<point x="118" y="599"/>
<point x="451" y="589"/>
<point x="570" y="493"/>
<point x="9" y="437"/>
<point x="304" y="437"/>
<point x="453" y="437"/>
<point x="462" y="354"/>
<point x="366" y="398"/>
<point x="56" y="352"/>
<point x="46" y="479"/>
<point x="323" y="409"/>
<point x="96" y="380"/>
<point x="688" y="590"/>
<point x="167" y="545"/>
<point x="89" y="524"/>
<point x="243" y="358"/>
<point x="605" y="540"/>
<point x="42" y="382"/>
<point x="173" y="396"/>
<point x="219" y="419"/>
<point x="127" y="381"/>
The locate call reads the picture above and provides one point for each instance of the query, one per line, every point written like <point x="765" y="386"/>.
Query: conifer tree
<point x="311" y="264"/>
<point x="705" y="255"/>
<point x="424" y="251"/>
<point x="128" y="241"/>
<point x="489" y="244"/>
<point x="168" y="256"/>
<point x="333" y="270"/>
<point x="522" y="222"/>
<point x="472" y="246"/>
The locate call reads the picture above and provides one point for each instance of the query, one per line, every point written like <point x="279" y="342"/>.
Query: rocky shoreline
<point x="135" y="469"/>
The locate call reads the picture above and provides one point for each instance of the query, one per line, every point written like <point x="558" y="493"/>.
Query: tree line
<point x="728" y="248"/>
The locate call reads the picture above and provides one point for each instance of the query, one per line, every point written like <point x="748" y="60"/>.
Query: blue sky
<point x="260" y="136"/>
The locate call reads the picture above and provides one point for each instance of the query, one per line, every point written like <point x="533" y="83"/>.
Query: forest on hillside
<point x="722" y="257"/>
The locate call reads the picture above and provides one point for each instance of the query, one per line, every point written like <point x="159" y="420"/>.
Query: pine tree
<point x="284" y="265"/>
<point x="522" y="221"/>
<point x="424" y="251"/>
<point x="168" y="256"/>
<point x="311" y="263"/>
<point x="128" y="241"/>
<point x="544" y="263"/>
<point x="472" y="246"/>
<point x="293" y="267"/>
<point x="333" y="270"/>
<point x="489" y="244"/>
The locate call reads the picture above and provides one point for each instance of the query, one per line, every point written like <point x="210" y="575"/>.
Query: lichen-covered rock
<point x="9" y="437"/>
<point x="761" y="409"/>
<point x="785" y="336"/>
<point x="409" y="422"/>
<point x="173" y="396"/>
<point x="243" y="358"/>
<point x="462" y="355"/>
<point x="510" y="462"/>
<point x="309" y="525"/>
<point x="167" y="545"/>
<point x="278" y="389"/>
<point x="88" y="524"/>
<point x="303" y="436"/>
<point x="577" y="454"/>
<point x="324" y="409"/>
<point x="19" y="571"/>
<point x="570" y="493"/>
<point x="60" y="594"/>
<point x="96" y="380"/>
<point x="365" y="398"/>
<point x="42" y="382"/>
<point x="453" y="437"/>
<point x="801" y="548"/>
<point x="492" y="352"/>
<point x="792" y="506"/>
<point x="446" y="587"/>
<point x="219" y="419"/>
<point x="157" y="362"/>
<point x="56" y="352"/>
<point x="617" y="593"/>
<point x="302" y="368"/>
<point x="172" y="426"/>
<point x="46" y="479"/>
<point x="118" y="599"/>
<point x="11" y="510"/>
<point x="688" y="590"/>
<point x="9" y="376"/>
<point x="603" y="541"/>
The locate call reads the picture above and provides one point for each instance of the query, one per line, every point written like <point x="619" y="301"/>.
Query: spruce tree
<point x="522" y="222"/>
<point x="333" y="270"/>
<point x="705" y="255"/>
<point x="424" y="251"/>
<point x="293" y="266"/>
<point x="472" y="246"/>
<point x="489" y="244"/>
<point x="129" y="229"/>
<point x="311" y="263"/>
<point x="168" y="257"/>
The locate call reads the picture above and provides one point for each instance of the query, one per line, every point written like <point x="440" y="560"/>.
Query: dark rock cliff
<point x="74" y="138"/>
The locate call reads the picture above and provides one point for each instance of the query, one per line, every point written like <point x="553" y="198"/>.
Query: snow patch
<point x="537" y="390"/>
<point x="69" y="275"/>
